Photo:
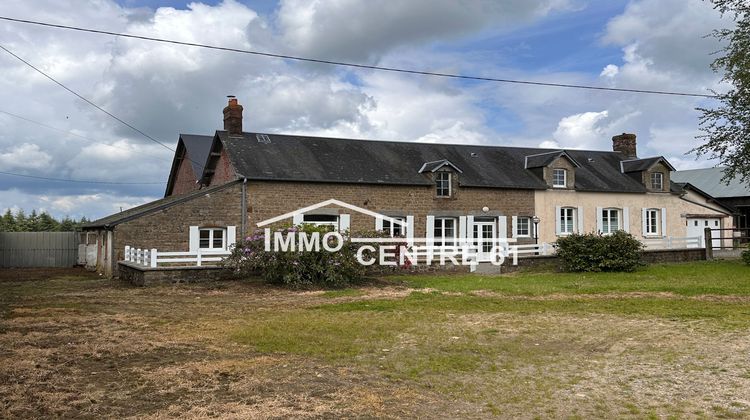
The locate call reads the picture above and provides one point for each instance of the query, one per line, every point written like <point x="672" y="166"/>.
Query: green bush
<point x="746" y="256"/>
<point x="300" y="269"/>
<point x="619" y="251"/>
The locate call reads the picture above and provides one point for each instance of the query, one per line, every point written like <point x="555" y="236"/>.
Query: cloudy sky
<point x="165" y="90"/>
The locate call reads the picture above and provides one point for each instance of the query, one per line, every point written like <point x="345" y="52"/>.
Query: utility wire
<point x="355" y="65"/>
<point x="81" y="181"/>
<point x="86" y="100"/>
<point x="201" y="165"/>
<point x="71" y="133"/>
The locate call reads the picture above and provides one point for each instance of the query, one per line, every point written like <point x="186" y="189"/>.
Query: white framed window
<point x="657" y="181"/>
<point x="395" y="229"/>
<point x="523" y="227"/>
<point x="567" y="218"/>
<point x="611" y="221"/>
<point x="444" y="232"/>
<point x="213" y="239"/>
<point x="443" y="184"/>
<point x="559" y="178"/>
<point x="652" y="221"/>
<point x="330" y="220"/>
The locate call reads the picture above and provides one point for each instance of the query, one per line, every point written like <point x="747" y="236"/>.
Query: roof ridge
<point x="491" y="146"/>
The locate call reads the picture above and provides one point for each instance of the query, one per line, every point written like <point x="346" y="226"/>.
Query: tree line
<point x="37" y="222"/>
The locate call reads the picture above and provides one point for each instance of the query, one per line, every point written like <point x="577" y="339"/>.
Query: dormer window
<point x="559" y="178"/>
<point x="657" y="181"/>
<point x="443" y="184"/>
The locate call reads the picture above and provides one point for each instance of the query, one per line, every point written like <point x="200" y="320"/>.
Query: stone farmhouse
<point x="221" y="186"/>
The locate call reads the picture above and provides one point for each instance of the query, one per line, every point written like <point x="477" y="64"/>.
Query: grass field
<point x="666" y="341"/>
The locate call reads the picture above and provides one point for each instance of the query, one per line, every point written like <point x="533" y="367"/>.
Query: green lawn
<point x="688" y="279"/>
<point x="668" y="341"/>
<point x="478" y="338"/>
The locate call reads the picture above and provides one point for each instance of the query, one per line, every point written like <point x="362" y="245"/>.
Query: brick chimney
<point x="233" y="116"/>
<point x="625" y="144"/>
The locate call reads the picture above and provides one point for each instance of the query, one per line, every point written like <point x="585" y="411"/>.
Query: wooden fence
<point x="38" y="249"/>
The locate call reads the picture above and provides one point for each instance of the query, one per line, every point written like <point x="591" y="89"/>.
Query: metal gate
<point x="38" y="249"/>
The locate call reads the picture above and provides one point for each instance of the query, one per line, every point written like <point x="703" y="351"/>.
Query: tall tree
<point x="32" y="222"/>
<point x="726" y="127"/>
<point x="67" y="224"/>
<point x="46" y="222"/>
<point x="8" y="222"/>
<point x="22" y="223"/>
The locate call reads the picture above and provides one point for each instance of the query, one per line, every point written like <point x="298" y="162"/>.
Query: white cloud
<point x="165" y="89"/>
<point x="364" y="30"/>
<point x="25" y="156"/>
<point x="75" y="205"/>
<point x="610" y="70"/>
<point x="580" y="130"/>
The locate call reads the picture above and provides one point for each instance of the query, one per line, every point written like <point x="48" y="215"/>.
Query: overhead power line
<point x="360" y="66"/>
<point x="80" y="181"/>
<point x="71" y="133"/>
<point x="125" y="123"/>
<point x="201" y="165"/>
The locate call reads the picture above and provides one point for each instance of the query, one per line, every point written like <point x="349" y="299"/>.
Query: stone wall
<point x="665" y="172"/>
<point x="269" y="199"/>
<point x="561" y="162"/>
<point x="144" y="276"/>
<point x="168" y="229"/>
<point x="552" y="262"/>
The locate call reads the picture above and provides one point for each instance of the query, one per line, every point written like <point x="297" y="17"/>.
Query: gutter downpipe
<point x="244" y="208"/>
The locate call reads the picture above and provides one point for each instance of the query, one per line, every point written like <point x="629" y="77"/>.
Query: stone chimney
<point x="625" y="144"/>
<point x="233" y="116"/>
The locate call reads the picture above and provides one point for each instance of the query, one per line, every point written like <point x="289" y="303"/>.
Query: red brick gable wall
<point x="184" y="181"/>
<point x="224" y="171"/>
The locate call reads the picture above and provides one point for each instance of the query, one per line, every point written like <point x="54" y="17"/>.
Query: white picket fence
<point x="671" y="242"/>
<point x="155" y="258"/>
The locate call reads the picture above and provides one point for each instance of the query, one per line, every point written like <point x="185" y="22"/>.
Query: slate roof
<point x="135" y="212"/>
<point x="198" y="147"/>
<point x="638" y="165"/>
<point x="709" y="180"/>
<point x="318" y="159"/>
<point x="543" y="159"/>
<point x="434" y="166"/>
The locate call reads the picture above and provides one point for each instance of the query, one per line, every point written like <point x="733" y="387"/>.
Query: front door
<point x="696" y="228"/>
<point x="484" y="239"/>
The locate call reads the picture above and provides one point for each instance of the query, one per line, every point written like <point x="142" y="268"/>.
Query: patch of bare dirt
<point x="110" y="350"/>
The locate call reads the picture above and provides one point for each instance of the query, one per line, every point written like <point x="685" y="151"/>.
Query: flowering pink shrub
<point x="300" y="268"/>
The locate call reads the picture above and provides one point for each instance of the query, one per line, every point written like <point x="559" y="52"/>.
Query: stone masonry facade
<point x="269" y="199"/>
<point x="168" y="229"/>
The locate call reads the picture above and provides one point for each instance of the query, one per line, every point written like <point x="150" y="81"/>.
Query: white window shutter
<point x="663" y="216"/>
<point x="378" y="224"/>
<point x="231" y="236"/>
<point x="410" y="230"/>
<point x="297" y="219"/>
<point x="558" y="212"/>
<point x="502" y="227"/>
<point x="580" y="220"/>
<point x="513" y="226"/>
<point x="194" y="238"/>
<point x="643" y="221"/>
<point x="469" y="227"/>
<point x="344" y="222"/>
<point x="462" y="227"/>
<point x="626" y="219"/>
<point x="599" y="219"/>
<point x="430" y="229"/>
